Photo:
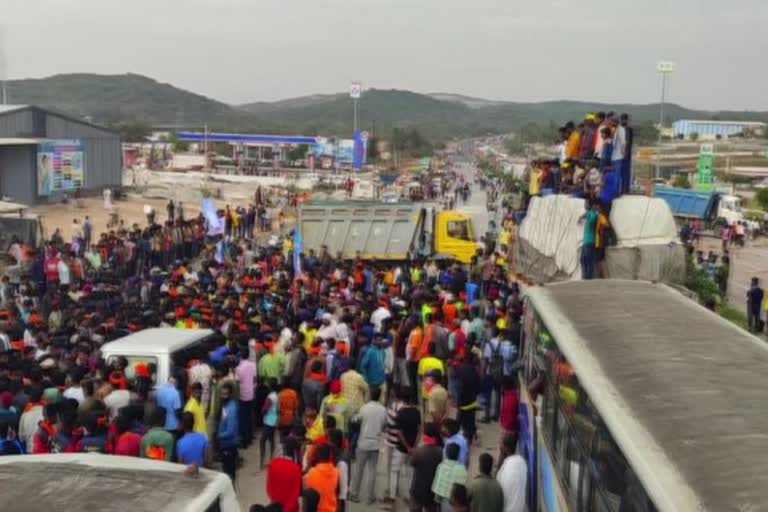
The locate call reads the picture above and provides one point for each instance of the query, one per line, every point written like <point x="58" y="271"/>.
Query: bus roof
<point x="157" y="340"/>
<point x="108" y="483"/>
<point x="679" y="387"/>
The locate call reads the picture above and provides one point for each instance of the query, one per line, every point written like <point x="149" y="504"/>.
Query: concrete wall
<point x="18" y="173"/>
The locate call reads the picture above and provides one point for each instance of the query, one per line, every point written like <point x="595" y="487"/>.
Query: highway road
<point x="252" y="480"/>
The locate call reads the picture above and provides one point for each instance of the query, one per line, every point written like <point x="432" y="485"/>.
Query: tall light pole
<point x="664" y="68"/>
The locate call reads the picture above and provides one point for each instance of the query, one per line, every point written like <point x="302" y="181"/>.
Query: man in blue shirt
<point x="168" y="398"/>
<point x="228" y="434"/>
<point x="372" y="363"/>
<point x="193" y="446"/>
<point x="451" y="435"/>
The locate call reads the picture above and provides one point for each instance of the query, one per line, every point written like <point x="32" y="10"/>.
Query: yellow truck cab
<point x="455" y="236"/>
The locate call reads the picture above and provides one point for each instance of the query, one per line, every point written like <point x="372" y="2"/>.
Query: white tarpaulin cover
<point x="550" y="237"/>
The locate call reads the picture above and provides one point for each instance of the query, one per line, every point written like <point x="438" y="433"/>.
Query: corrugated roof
<point x="11" y="108"/>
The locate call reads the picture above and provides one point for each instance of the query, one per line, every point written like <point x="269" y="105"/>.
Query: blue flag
<point x="298" y="248"/>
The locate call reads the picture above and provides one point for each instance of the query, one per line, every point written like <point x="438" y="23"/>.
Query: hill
<point x="115" y="98"/>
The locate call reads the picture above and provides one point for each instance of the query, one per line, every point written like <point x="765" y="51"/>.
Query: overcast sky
<point x="522" y="50"/>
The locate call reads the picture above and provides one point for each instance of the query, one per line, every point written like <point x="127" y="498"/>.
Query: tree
<point x="373" y="149"/>
<point x="681" y="181"/>
<point x="132" y="131"/>
<point x="180" y="146"/>
<point x="762" y="198"/>
<point x="297" y="152"/>
<point x="646" y="133"/>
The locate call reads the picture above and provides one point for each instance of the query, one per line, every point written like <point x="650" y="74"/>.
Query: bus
<point x="91" y="481"/>
<point x="636" y="398"/>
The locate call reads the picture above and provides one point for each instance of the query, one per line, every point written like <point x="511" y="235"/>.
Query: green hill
<point x="120" y="98"/>
<point x="113" y="98"/>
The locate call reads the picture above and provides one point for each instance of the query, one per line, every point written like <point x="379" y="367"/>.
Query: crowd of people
<point x="594" y="161"/>
<point x="326" y="363"/>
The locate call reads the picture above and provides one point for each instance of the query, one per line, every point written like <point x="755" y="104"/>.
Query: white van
<point x="92" y="481"/>
<point x="158" y="347"/>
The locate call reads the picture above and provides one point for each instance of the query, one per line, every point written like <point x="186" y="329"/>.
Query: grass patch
<point x="734" y="315"/>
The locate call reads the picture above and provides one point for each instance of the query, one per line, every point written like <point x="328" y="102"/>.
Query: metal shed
<point x="26" y="131"/>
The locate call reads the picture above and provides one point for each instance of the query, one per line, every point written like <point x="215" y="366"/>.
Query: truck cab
<point x="455" y="236"/>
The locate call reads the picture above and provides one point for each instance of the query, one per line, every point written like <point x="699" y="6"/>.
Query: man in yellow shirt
<point x="602" y="224"/>
<point x="195" y="406"/>
<point x="574" y="141"/>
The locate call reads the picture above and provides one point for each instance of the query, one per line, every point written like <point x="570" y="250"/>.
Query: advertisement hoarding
<point x="60" y="166"/>
<point x="342" y="151"/>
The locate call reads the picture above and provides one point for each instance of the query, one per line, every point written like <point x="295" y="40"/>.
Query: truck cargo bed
<point x="375" y="230"/>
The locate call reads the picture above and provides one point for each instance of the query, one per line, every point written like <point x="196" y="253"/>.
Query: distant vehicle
<point x="390" y="197"/>
<point x="715" y="208"/>
<point x="88" y="481"/>
<point x="761" y="184"/>
<point x="160" y="347"/>
<point x="658" y="434"/>
<point x="380" y="231"/>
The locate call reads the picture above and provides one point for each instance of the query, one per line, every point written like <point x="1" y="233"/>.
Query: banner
<point x="60" y="166"/>
<point x="360" y="150"/>
<point x="705" y="167"/>
<point x="298" y="248"/>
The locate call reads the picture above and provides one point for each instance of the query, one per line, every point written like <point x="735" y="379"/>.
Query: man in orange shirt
<point x="413" y="355"/>
<point x="324" y="479"/>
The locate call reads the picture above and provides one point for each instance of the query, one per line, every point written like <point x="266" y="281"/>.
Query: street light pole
<point x="664" y="68"/>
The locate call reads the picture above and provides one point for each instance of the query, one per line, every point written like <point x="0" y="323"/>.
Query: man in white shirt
<point x="379" y="315"/>
<point x="512" y="476"/>
<point x="75" y="390"/>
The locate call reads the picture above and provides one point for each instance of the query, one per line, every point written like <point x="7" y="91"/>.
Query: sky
<point x="241" y="51"/>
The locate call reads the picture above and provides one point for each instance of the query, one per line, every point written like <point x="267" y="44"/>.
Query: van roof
<point x="158" y="340"/>
<point x="109" y="483"/>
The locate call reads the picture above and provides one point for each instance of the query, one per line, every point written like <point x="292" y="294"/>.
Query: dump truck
<point x="374" y="230"/>
<point x="713" y="207"/>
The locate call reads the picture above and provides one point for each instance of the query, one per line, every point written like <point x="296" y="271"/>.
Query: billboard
<point x="342" y="151"/>
<point x="355" y="90"/>
<point x="60" y="166"/>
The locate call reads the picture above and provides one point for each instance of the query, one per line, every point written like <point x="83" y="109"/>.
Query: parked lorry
<point x="386" y="231"/>
<point x="715" y="208"/>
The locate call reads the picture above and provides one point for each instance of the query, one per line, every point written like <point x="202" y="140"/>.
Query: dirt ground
<point x="130" y="210"/>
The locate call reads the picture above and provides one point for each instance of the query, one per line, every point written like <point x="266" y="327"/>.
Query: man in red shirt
<point x="284" y="478"/>
<point x="127" y="443"/>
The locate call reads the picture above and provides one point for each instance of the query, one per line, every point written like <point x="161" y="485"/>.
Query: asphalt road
<point x="746" y="263"/>
<point x="252" y="481"/>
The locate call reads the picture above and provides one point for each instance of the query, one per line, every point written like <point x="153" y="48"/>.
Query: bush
<point x="698" y="281"/>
